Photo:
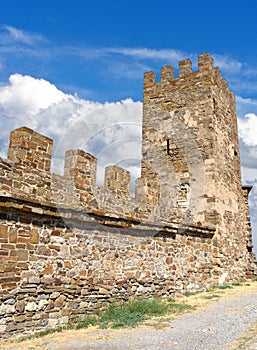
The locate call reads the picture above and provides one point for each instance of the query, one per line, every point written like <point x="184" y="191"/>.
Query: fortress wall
<point x="58" y="266"/>
<point x="69" y="246"/>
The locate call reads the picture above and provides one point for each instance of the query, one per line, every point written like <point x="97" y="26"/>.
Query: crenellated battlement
<point x="26" y="174"/>
<point x="205" y="67"/>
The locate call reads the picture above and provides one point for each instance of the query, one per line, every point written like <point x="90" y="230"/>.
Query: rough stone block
<point x="22" y="255"/>
<point x="3" y="231"/>
<point x="34" y="236"/>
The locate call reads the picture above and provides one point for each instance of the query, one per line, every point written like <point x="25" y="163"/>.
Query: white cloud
<point x="132" y="71"/>
<point x="253" y="212"/>
<point x="25" y="96"/>
<point x="146" y="53"/>
<point x="248" y="151"/>
<point x="253" y="200"/>
<point x="10" y="34"/>
<point x="227" y="64"/>
<point x="248" y="129"/>
<point x="111" y="131"/>
<point x="254" y="237"/>
<point x="245" y="106"/>
<point x="142" y="53"/>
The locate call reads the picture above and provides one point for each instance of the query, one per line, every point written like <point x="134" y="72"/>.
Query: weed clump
<point x="131" y="313"/>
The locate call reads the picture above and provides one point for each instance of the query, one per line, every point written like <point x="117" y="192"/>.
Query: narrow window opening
<point x="168" y="147"/>
<point x="184" y="195"/>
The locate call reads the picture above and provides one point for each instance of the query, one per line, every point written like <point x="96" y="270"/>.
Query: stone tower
<point x="190" y="141"/>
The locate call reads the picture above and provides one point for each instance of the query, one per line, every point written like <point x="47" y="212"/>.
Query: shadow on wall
<point x="254" y="233"/>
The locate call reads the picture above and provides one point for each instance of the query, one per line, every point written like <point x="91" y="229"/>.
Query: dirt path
<point x="229" y="323"/>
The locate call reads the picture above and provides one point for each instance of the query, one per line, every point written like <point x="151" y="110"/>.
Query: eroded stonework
<point x="69" y="246"/>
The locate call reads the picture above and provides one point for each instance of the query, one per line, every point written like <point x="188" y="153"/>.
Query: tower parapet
<point x="205" y="67"/>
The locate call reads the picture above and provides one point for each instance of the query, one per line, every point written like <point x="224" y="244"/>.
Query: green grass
<point x="131" y="313"/>
<point x="212" y="296"/>
<point x="41" y="333"/>
<point x="224" y="286"/>
<point x="127" y="314"/>
<point x="220" y="286"/>
<point x="90" y="320"/>
<point x="49" y="331"/>
<point x="188" y="293"/>
<point x="170" y="300"/>
<point x="237" y="284"/>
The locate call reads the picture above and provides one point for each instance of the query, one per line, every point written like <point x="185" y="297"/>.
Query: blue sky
<point x="86" y="46"/>
<point x="64" y="61"/>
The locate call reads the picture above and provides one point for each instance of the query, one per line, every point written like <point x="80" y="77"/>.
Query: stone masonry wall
<point x="69" y="246"/>
<point x="52" y="272"/>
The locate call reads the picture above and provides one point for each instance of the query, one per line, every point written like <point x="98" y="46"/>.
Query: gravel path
<point x="210" y="329"/>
